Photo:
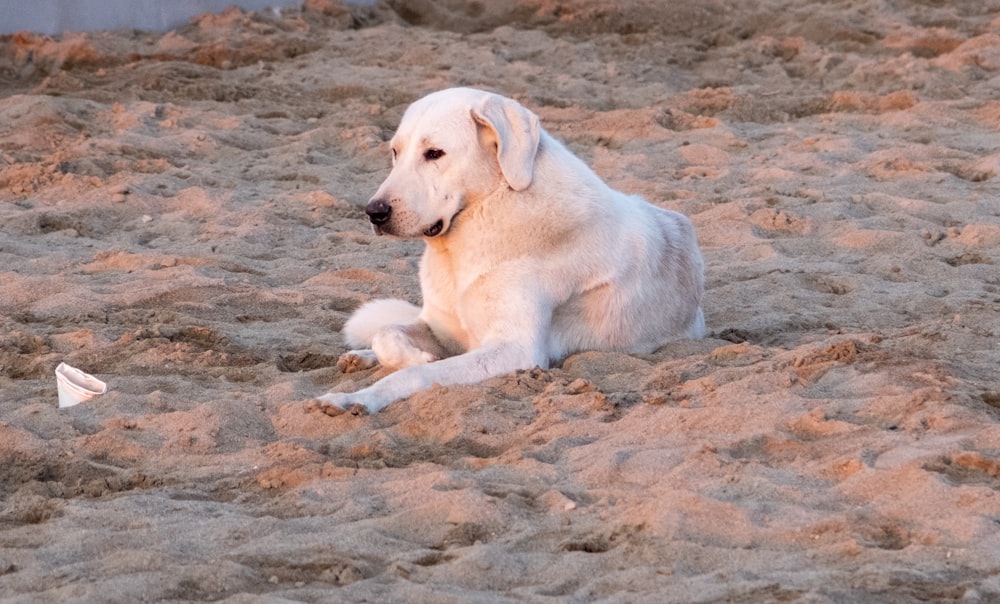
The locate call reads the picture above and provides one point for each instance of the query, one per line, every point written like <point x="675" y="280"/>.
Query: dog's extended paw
<point x="356" y="360"/>
<point x="335" y="404"/>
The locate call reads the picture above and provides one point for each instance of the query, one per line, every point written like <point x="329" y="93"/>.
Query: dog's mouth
<point x="439" y="227"/>
<point x="435" y="229"/>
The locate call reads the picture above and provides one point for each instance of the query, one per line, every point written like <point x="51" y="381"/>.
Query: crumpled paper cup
<point x="76" y="386"/>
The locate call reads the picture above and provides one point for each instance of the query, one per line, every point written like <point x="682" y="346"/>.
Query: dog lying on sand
<point x="529" y="256"/>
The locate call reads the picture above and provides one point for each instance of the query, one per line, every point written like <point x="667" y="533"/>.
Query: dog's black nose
<point x="378" y="211"/>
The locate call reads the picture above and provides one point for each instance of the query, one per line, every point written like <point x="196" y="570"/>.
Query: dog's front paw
<point x="356" y="360"/>
<point x="336" y="403"/>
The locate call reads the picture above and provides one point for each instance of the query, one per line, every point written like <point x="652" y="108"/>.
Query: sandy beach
<point x="181" y="215"/>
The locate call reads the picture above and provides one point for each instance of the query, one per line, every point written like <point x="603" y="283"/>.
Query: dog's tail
<point x="373" y="316"/>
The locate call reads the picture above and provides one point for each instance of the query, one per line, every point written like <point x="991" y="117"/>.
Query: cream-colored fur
<point x="530" y="256"/>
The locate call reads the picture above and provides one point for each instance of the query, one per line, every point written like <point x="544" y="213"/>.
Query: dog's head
<point x="453" y="148"/>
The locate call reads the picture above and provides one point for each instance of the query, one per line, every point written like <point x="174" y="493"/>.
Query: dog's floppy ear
<point x="517" y="134"/>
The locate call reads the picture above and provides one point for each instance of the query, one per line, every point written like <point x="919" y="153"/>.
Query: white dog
<point x="529" y="255"/>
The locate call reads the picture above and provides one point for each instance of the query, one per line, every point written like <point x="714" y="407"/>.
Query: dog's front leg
<point x="399" y="346"/>
<point x="395" y="347"/>
<point x="474" y="366"/>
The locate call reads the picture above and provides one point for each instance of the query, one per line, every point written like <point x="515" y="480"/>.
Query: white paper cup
<point x="76" y="386"/>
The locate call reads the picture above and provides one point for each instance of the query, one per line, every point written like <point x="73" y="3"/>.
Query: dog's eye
<point x="433" y="154"/>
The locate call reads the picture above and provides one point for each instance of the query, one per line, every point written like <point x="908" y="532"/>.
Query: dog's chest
<point x="441" y="288"/>
<point x="450" y="267"/>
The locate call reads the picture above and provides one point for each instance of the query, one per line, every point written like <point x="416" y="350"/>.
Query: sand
<point x="180" y="215"/>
